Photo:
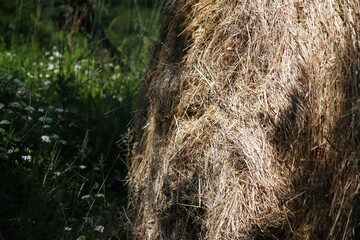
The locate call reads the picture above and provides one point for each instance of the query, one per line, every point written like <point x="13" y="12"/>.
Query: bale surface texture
<point x="249" y="123"/>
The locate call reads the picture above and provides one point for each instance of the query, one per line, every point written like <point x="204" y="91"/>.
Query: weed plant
<point x="64" y="112"/>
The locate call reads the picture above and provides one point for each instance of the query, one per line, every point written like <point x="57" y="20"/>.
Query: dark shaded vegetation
<point x="70" y="71"/>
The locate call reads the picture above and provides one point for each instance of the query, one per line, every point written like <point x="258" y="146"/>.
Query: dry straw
<point x="249" y="123"/>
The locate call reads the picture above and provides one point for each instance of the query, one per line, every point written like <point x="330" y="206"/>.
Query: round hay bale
<point x="249" y="123"/>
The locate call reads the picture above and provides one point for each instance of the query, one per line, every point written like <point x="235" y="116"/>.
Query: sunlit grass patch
<point x="46" y="134"/>
<point x="58" y="129"/>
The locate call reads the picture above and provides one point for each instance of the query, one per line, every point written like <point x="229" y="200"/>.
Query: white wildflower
<point x="99" y="195"/>
<point x="60" y="110"/>
<point x="63" y="142"/>
<point x="30" y="75"/>
<point x="22" y="90"/>
<point x="55" y="136"/>
<point x="48" y="120"/>
<point x="67" y="229"/>
<point x="29" y="108"/>
<point x="115" y="76"/>
<point x="99" y="228"/>
<point x="87" y="196"/>
<point x="15" y="104"/>
<point x="82" y="167"/>
<point x="50" y="67"/>
<point x="26" y="158"/>
<point x="11" y="150"/>
<point x="26" y="118"/>
<point x="4" y="122"/>
<point x="57" y="54"/>
<point x="77" y="68"/>
<point x="46" y="139"/>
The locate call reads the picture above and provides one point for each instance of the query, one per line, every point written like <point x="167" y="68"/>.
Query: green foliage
<point x="65" y="106"/>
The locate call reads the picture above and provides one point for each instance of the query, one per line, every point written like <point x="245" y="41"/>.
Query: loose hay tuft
<point x="248" y="126"/>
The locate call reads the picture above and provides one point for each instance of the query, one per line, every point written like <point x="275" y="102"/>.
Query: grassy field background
<point x="70" y="72"/>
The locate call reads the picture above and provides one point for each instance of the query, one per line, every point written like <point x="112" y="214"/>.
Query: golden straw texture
<point x="249" y="123"/>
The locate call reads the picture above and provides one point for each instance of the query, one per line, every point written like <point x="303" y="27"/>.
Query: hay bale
<point x="248" y="126"/>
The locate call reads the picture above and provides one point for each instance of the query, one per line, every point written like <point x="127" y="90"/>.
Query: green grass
<point x="64" y="112"/>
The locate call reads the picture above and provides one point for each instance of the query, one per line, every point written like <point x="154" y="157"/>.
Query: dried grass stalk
<point x="249" y="122"/>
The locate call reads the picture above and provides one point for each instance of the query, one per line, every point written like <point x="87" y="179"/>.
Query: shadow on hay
<point x="318" y="185"/>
